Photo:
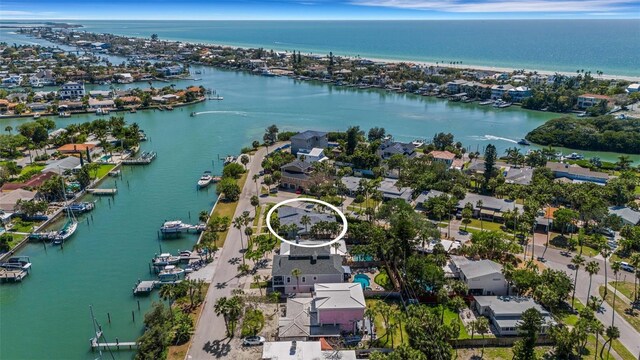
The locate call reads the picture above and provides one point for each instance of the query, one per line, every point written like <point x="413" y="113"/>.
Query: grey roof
<point x="509" y="305"/>
<point x="476" y="269"/>
<point x="489" y="202"/>
<point x="301" y="320"/>
<point x="520" y="175"/>
<point x="285" y="247"/>
<point x="390" y="191"/>
<point x="627" y="214"/>
<point x="426" y="195"/>
<point x="324" y="264"/>
<point x="308" y="134"/>
<point x="389" y="148"/>
<point x="576" y="170"/>
<point x="67" y="163"/>
<point x="302" y="165"/>
<point x="292" y="215"/>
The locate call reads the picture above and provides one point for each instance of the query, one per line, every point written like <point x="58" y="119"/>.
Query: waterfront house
<point x="627" y="214"/>
<point x="316" y="265"/>
<point x="311" y="156"/>
<point x="633" y="88"/>
<point x="453" y="87"/>
<point x="588" y="100"/>
<point x="71" y="90"/>
<point x="35" y="182"/>
<point x="445" y="157"/>
<point x="577" y="173"/>
<point x="389" y="148"/>
<point x="79" y="148"/>
<point x="505" y="313"/>
<point x="289" y="215"/>
<point x="482" y="277"/>
<point x="497" y="91"/>
<point x="519" y="93"/>
<point x="9" y="200"/>
<point x="101" y="104"/>
<point x="171" y="70"/>
<point x="100" y="93"/>
<point x="67" y="164"/>
<point x="340" y="249"/>
<point x="308" y="140"/>
<point x="130" y="100"/>
<point x="296" y="175"/>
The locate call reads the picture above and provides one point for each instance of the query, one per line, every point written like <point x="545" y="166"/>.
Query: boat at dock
<point x="69" y="227"/>
<point x="114" y="173"/>
<point x="144" y="159"/>
<point x="205" y="180"/>
<point x="524" y="142"/>
<point x="574" y="156"/>
<point x="501" y="104"/>
<point x="17" y="262"/>
<point x="170" y="272"/>
<point x="165" y="259"/>
<point x="177" y="227"/>
<point x="229" y="159"/>
<point x="217" y="97"/>
<point x="81" y="207"/>
<point x="216" y="179"/>
<point x="64" y="114"/>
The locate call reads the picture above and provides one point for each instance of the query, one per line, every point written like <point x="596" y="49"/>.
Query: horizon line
<point x="329" y="19"/>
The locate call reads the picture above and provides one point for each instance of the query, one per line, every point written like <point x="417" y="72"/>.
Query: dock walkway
<point x="128" y="345"/>
<point x="13" y="275"/>
<point x="103" y="192"/>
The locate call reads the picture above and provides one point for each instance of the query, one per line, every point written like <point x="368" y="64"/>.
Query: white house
<point x="519" y="93"/>
<point x="483" y="277"/>
<point x="633" y="88"/>
<point x="71" y="90"/>
<point x="589" y="100"/>
<point x="505" y="312"/>
<point x="497" y="91"/>
<point x="316" y="265"/>
<point x="311" y="156"/>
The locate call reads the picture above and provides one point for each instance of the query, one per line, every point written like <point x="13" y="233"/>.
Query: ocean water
<point x="610" y="46"/>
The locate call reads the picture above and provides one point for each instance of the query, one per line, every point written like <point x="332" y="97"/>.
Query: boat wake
<point x="239" y="113"/>
<point x="493" y="137"/>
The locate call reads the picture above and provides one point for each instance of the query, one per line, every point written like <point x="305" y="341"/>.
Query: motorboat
<point x="170" y="272"/>
<point x="81" y="207"/>
<point x="185" y="255"/>
<point x="165" y="259"/>
<point x="574" y="156"/>
<point x="18" y="262"/>
<point x="64" y="114"/>
<point x="36" y="115"/>
<point x="114" y="173"/>
<point x="524" y="142"/>
<point x="501" y="104"/>
<point x="173" y="227"/>
<point x="216" y="179"/>
<point x="205" y="180"/>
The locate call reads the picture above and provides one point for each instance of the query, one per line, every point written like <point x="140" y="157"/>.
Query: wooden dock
<point x="145" y="287"/>
<point x="144" y="159"/>
<point x="103" y="192"/>
<point x="12" y="275"/>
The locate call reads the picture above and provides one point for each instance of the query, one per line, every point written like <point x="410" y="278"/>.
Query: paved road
<point x="209" y="340"/>
<point x="629" y="337"/>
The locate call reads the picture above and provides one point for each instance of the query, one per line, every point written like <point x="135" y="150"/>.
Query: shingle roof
<point x="308" y="134"/>
<point x="626" y="213"/>
<point x="324" y="264"/>
<point x="509" y="305"/>
<point x="302" y="165"/>
<point x="292" y="215"/>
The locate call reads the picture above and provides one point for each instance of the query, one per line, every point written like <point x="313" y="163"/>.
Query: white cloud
<point x="499" y="6"/>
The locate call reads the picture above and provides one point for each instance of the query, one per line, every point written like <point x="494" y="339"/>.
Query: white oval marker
<point x="340" y="236"/>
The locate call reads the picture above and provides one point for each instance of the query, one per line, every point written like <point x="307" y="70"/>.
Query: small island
<point x="602" y="133"/>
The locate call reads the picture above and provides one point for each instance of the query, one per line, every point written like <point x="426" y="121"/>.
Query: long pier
<point x="102" y="192"/>
<point x="125" y="345"/>
<point x="144" y="159"/>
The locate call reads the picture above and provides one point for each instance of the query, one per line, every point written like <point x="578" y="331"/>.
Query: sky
<point x="316" y="9"/>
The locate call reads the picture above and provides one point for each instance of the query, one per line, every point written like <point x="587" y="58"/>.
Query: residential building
<point x="76" y="148"/>
<point x="101" y="104"/>
<point x="497" y="91"/>
<point x="289" y="215"/>
<point x="519" y="93"/>
<point x="316" y="265"/>
<point x="483" y="277"/>
<point x="577" y="173"/>
<point x="296" y="175"/>
<point x="100" y="93"/>
<point x="340" y="249"/>
<point x="34" y="182"/>
<point x="71" y="90"/>
<point x="311" y="156"/>
<point x="307" y="140"/>
<point x="628" y="215"/>
<point x="69" y="163"/>
<point x="446" y="157"/>
<point x="304" y="350"/>
<point x="505" y="313"/>
<point x="340" y="304"/>
<point x="389" y="148"/>
<point x="171" y="70"/>
<point x="426" y="195"/>
<point x="492" y="208"/>
<point x="633" y="88"/>
<point x="455" y="86"/>
<point x="9" y="200"/>
<point x="589" y="100"/>
<point x="387" y="187"/>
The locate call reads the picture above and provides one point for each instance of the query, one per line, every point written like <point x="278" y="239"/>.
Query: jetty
<point x="128" y="345"/>
<point x="144" y="159"/>
<point x="103" y="192"/>
<point x="12" y="274"/>
<point x="145" y="287"/>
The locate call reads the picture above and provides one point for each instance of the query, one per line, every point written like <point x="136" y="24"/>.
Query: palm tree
<point x="443" y="298"/>
<point x="371" y="314"/>
<point x="577" y="262"/>
<point x="482" y="326"/>
<point x="8" y="129"/>
<point x="244" y="159"/>
<point x="623" y="162"/>
<point x="203" y="216"/>
<point x="167" y="293"/>
<point x="635" y="262"/>
<point x="613" y="333"/>
<point x="598" y="329"/>
<point x="255" y="178"/>
<point x="605" y="251"/>
<point x="257" y="279"/>
<point x="255" y="201"/>
<point x="306" y="221"/>
<point x="616" y="267"/>
<point x="592" y="267"/>
<point x="479" y="205"/>
<point x="238" y="223"/>
<point x="297" y="272"/>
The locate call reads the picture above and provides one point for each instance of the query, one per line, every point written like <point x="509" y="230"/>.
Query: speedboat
<point x="114" y="173"/>
<point x="170" y="272"/>
<point x="81" y="207"/>
<point x="524" y="142"/>
<point x="205" y="179"/>
<point x="165" y="259"/>
<point x="185" y="255"/>
<point x="36" y="115"/>
<point x="64" y="114"/>
<point x="501" y="104"/>
<point x="216" y="179"/>
<point x="574" y="156"/>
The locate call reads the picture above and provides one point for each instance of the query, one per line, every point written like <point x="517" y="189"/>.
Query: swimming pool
<point x="362" y="258"/>
<point x="105" y="158"/>
<point x="363" y="280"/>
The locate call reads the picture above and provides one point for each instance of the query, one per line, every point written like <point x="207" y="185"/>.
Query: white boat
<point x="18" y="262"/>
<point x="114" y="173"/>
<point x="64" y="114"/>
<point x="165" y="259"/>
<point x="170" y="272"/>
<point x="501" y="104"/>
<point x="173" y="227"/>
<point x="574" y="156"/>
<point x="66" y="232"/>
<point x="185" y="255"/>
<point x="36" y="115"/>
<point x="205" y="180"/>
<point x="417" y="142"/>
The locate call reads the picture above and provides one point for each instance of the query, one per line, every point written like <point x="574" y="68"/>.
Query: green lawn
<point x="368" y="203"/>
<point x="16" y="239"/>
<point x="227" y="209"/>
<point x="257" y="216"/>
<point x="103" y="169"/>
<point x="384" y="339"/>
<point x="383" y="280"/>
<point x="23" y="226"/>
<point x="486" y="225"/>
<point x="497" y="353"/>
<point x="31" y="167"/>
<point x="621" y="306"/>
<point x="626" y="288"/>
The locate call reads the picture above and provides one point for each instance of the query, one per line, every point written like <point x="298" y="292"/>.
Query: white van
<point x="626" y="267"/>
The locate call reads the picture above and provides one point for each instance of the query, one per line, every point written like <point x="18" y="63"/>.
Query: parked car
<point x="253" y="340"/>
<point x="607" y="232"/>
<point x="626" y="267"/>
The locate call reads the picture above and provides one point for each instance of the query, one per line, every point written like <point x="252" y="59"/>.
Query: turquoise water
<point x="47" y="316"/>
<point x="363" y="280"/>
<point x="611" y="46"/>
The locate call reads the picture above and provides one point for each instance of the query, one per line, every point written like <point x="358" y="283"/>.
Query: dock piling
<point x="133" y="316"/>
<point x="138" y="305"/>
<point x="109" y="317"/>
